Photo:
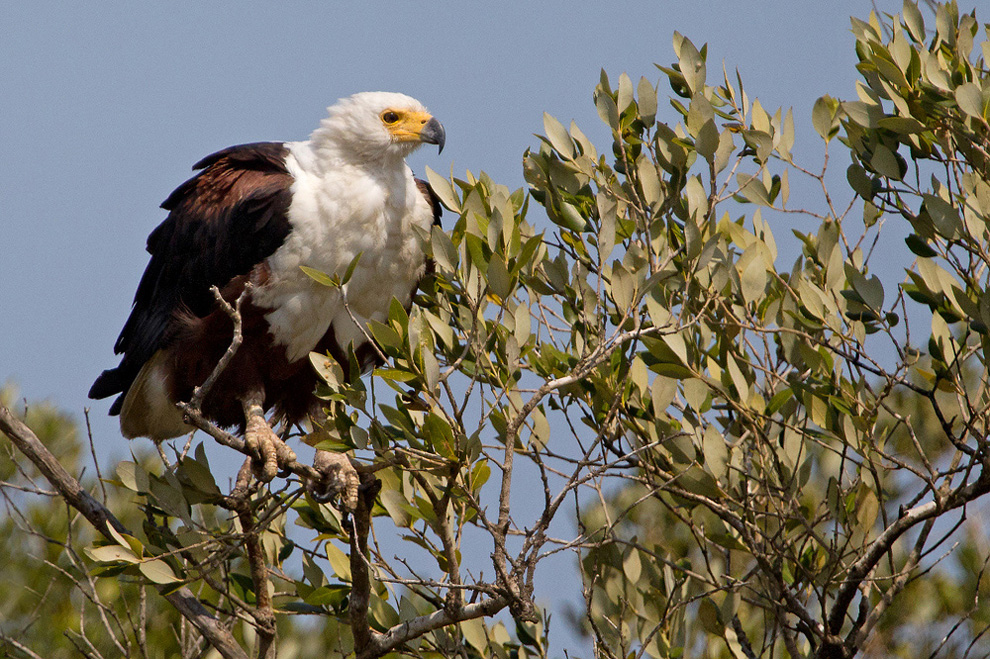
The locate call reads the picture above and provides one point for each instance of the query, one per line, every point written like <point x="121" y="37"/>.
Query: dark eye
<point x="389" y="117"/>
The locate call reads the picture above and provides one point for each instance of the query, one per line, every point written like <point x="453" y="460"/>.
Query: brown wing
<point x="221" y="223"/>
<point x="431" y="197"/>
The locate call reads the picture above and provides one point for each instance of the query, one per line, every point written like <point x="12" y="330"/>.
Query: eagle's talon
<point x="284" y="454"/>
<point x="338" y="476"/>
<point x="261" y="442"/>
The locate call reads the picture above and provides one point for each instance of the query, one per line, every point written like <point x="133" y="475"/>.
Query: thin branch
<point x="264" y="614"/>
<point x="234" y="312"/>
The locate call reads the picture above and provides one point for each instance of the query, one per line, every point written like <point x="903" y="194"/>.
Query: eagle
<point x="251" y="219"/>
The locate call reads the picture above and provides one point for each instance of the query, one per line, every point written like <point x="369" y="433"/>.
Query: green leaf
<point x="632" y="567"/>
<point x="157" y="571"/>
<point x="885" y="163"/>
<point x="692" y="66"/>
<point x="320" y="277"/>
<point x="778" y="400"/>
<point x="382" y="613"/>
<point x="650" y="180"/>
<point x="662" y="393"/>
<point x="499" y="282"/>
<point x="708" y="139"/>
<point x="398" y="508"/>
<point x="350" y="268"/>
<point x="398" y="316"/>
<point x="871" y="290"/>
<point x="444" y="252"/>
<point x="431" y="370"/>
<point x="480" y="474"/>
<point x="199" y="476"/>
<point x="607" y="110"/>
<point x="441" y="329"/>
<point x="385" y="336"/>
<point x="624" y="94"/>
<point x="112" y="554"/>
<point x="675" y="371"/>
<point x="914" y="21"/>
<point x="359" y="437"/>
<point x="570" y="218"/>
<point x="444" y="191"/>
<point x="759" y="142"/>
<point x="821" y="116"/>
<point x="339" y="561"/>
<point x="541" y="430"/>
<point x="726" y="147"/>
<point x="903" y="125"/>
<point x="332" y="596"/>
<point x="167" y="494"/>
<point x="312" y="572"/>
<point x="328" y="368"/>
<point x="860" y="181"/>
<point x="474" y="633"/>
<point x="558" y="137"/>
<point x="715" y="450"/>
<point x="944" y="216"/>
<point x="133" y="476"/>
<point x="126" y="540"/>
<point x="970" y="100"/>
<point x="753" y="274"/>
<point x="871" y="214"/>
<point x="738" y="378"/>
<point x="920" y="246"/>
<point x="438" y="432"/>
<point x="867" y="508"/>
<point x="523" y="322"/>
<point x="709" y="617"/>
<point x="753" y="190"/>
<point x="646" y="94"/>
<point x="623" y="288"/>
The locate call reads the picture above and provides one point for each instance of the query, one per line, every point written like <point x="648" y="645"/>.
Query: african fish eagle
<point x="249" y="219"/>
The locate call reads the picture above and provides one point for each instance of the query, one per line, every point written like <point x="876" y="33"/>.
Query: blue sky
<point x="104" y="108"/>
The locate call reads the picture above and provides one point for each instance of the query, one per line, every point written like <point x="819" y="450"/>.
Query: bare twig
<point x="234" y="312"/>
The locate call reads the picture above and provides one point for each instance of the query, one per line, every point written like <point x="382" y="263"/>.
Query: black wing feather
<point x="221" y="223"/>
<point x="431" y="197"/>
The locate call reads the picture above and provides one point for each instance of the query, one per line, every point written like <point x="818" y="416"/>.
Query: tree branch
<point x="862" y="567"/>
<point x="406" y="631"/>
<point x="101" y="519"/>
<point x="360" y="598"/>
<point x="264" y="614"/>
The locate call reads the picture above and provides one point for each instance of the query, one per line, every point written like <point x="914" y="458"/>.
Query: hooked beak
<point x="433" y="133"/>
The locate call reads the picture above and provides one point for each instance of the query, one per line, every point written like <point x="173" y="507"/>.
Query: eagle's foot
<point x="338" y="476"/>
<point x="269" y="451"/>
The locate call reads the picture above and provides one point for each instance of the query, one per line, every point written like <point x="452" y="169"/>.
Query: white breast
<point x="335" y="215"/>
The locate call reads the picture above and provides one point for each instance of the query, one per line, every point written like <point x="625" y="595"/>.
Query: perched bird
<point x="248" y="220"/>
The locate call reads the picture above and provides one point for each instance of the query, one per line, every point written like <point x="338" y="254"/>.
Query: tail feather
<point x="110" y="382"/>
<point x="117" y="405"/>
<point x="113" y="381"/>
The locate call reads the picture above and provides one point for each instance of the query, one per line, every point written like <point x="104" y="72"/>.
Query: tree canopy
<point x="761" y="459"/>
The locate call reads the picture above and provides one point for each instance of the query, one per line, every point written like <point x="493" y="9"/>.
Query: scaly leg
<point x="268" y="450"/>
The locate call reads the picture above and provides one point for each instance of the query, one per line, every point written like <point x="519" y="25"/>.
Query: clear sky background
<point x="105" y="106"/>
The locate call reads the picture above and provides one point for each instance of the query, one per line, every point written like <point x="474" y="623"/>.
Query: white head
<point x="377" y="126"/>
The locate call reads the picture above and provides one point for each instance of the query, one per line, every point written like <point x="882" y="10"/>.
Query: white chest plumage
<point x="337" y="213"/>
